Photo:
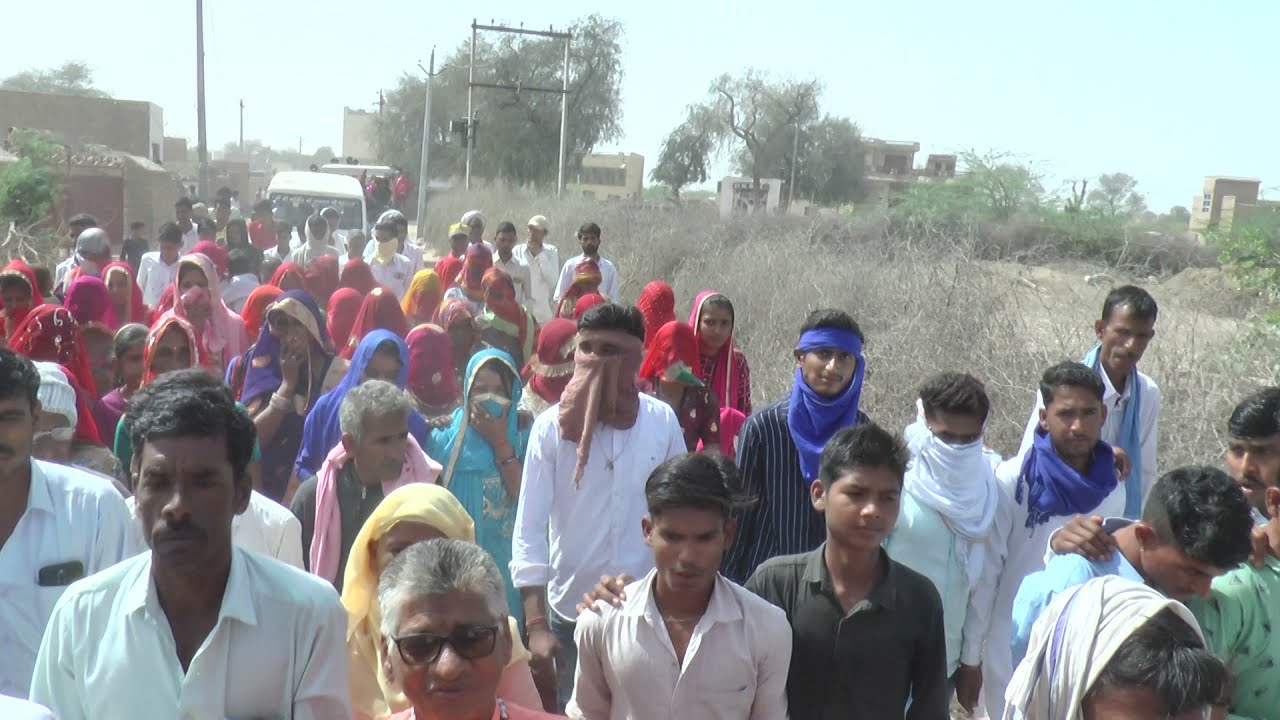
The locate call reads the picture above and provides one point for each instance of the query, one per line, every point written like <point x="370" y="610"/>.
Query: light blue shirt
<point x="72" y="517"/>
<point x="1062" y="573"/>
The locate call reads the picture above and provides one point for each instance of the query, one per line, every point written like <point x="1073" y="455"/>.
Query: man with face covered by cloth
<point x="589" y="457"/>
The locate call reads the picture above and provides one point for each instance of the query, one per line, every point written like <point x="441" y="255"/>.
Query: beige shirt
<point x="735" y="666"/>
<point x="519" y="272"/>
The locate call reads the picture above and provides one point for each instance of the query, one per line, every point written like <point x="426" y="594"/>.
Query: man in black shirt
<point x="135" y="245"/>
<point x="867" y="631"/>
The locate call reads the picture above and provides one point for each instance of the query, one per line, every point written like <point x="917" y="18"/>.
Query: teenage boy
<point x="589" y="241"/>
<point x="949" y="501"/>
<point x="1067" y="470"/>
<point x="160" y="267"/>
<point x="780" y="446"/>
<point x="135" y="245"/>
<point x="687" y="643"/>
<point x="867" y="631"/>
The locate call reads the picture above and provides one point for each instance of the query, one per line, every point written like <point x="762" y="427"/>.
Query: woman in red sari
<point x="448" y="268"/>
<point x="289" y="276"/>
<point x="470" y="286"/>
<point x="126" y="296"/>
<point x="51" y="334"/>
<point x="216" y="253"/>
<point x="657" y="304"/>
<point x="721" y="364"/>
<point x="19" y="295"/>
<point x="90" y="304"/>
<point x="340" y="315"/>
<point x="357" y="276"/>
<point x="507" y="325"/>
<point x="321" y="278"/>
<point x="431" y="377"/>
<point x="586" y="281"/>
<point x="380" y="310"/>
<point x="550" y="369"/>
<point x="459" y="321"/>
<point x="255" y="308"/>
<point x="668" y="374"/>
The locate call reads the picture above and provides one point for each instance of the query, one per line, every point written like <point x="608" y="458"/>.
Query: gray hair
<point x="371" y="400"/>
<point x="438" y="567"/>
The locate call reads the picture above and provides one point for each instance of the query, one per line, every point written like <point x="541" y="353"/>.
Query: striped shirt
<point x="782" y="521"/>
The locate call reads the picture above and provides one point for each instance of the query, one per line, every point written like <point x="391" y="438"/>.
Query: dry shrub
<point x="927" y="301"/>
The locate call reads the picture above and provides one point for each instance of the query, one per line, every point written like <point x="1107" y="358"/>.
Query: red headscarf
<point x="724" y="379"/>
<point x="431" y="377"/>
<point x="586" y="281"/>
<point x="321" y="278"/>
<point x="379" y="310"/>
<point x="585" y="303"/>
<point x="657" y="304"/>
<point x="673" y="344"/>
<point x="289" y="277"/>
<point x="136" y="311"/>
<point x="448" y="268"/>
<point x="504" y="314"/>
<point x="14" y="317"/>
<point x="153" y="339"/>
<point x="90" y="303"/>
<point x="167" y="297"/>
<point x="357" y="276"/>
<point x="475" y="264"/>
<point x="254" y="312"/>
<point x="216" y="253"/>
<point x="344" y="306"/>
<point x="51" y="334"/>
<point x="551" y="367"/>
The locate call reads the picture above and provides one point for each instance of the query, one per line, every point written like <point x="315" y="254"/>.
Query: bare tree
<point x="760" y="112"/>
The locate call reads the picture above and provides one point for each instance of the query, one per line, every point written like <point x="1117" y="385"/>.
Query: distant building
<point x="129" y="126"/>
<point x="609" y="177"/>
<point x="360" y="135"/>
<point x="740" y="196"/>
<point x="1216" y="207"/>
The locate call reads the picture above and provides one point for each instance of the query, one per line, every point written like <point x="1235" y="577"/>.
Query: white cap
<point x="472" y="215"/>
<point x="56" y="394"/>
<point x="541" y="222"/>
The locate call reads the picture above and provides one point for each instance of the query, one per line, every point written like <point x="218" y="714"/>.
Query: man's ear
<point x="818" y="496"/>
<point x="1044" y="419"/>
<point x="1098" y="326"/>
<point x="646" y="527"/>
<point x="349" y="443"/>
<point x="388" y="667"/>
<point x="1146" y="535"/>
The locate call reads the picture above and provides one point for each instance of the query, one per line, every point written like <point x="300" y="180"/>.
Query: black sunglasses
<point x="471" y="642"/>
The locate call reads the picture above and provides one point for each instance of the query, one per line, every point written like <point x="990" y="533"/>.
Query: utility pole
<point x="242" y="126"/>
<point x="202" y="139"/>
<point x="426" y="148"/>
<point x="562" y="91"/>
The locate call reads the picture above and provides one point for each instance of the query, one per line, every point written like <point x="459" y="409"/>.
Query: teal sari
<point x="471" y="471"/>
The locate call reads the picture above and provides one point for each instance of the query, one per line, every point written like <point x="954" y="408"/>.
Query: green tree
<point x="831" y="164"/>
<point x="686" y="153"/>
<point x="1116" y="194"/>
<point x="30" y="187"/>
<point x="1003" y="188"/>
<point x="70" y="78"/>
<point x="517" y="133"/>
<point x="758" y="117"/>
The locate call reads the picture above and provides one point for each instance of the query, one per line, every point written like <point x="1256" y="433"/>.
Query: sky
<point x="1167" y="91"/>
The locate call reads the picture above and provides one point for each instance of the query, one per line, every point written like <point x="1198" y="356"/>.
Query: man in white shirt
<point x="317" y="245"/>
<point x="589" y="239"/>
<point x="184" y="212"/>
<point x="543" y="260"/>
<point x="687" y="642"/>
<point x="337" y="236"/>
<point x="409" y="247"/>
<point x="505" y="241"/>
<point x="243" y="280"/>
<point x="265" y="527"/>
<point x="474" y="220"/>
<point x="197" y="627"/>
<point x="284" y="241"/>
<point x="574" y="471"/>
<point x="160" y="267"/>
<point x="16" y="709"/>
<point x="1127" y="326"/>
<point x="57" y="524"/>
<point x="391" y="269"/>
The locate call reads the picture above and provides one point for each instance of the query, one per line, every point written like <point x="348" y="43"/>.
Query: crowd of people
<point x="273" y="471"/>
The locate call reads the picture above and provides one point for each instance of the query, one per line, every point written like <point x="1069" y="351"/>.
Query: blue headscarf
<point x="464" y="451"/>
<point x="1054" y="489"/>
<point x="1130" y="437"/>
<point x="262" y="361"/>
<point x="323" y="430"/>
<point x="812" y="418"/>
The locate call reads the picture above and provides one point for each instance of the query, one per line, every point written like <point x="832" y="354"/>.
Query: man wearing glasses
<point x="197" y="628"/>
<point x="446" y="636"/>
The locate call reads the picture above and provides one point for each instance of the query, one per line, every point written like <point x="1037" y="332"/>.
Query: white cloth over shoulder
<point x="1073" y="641"/>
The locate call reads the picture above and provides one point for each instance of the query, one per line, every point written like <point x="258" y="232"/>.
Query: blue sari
<point x="471" y="471"/>
<point x="322" y="430"/>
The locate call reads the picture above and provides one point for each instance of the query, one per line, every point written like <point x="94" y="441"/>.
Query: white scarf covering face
<point x="958" y="482"/>
<point x="1073" y="641"/>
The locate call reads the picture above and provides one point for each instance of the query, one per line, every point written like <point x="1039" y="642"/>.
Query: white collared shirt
<point x="12" y="708"/>
<point x="544" y="274"/>
<point x="278" y="649"/>
<point x="1115" y="402"/>
<point x="71" y="516"/>
<point x="519" y="272"/>
<point x="394" y="276"/>
<point x="265" y="527"/>
<point x="566" y="537"/>
<point x="190" y="238"/>
<point x="236" y="291"/>
<point x="735" y="666"/>
<point x="608" y="277"/>
<point x="304" y="255"/>
<point x="154" y="276"/>
<point x="414" y="252"/>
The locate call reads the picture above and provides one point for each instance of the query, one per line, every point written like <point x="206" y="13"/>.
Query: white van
<point x="300" y="194"/>
<point x="356" y="171"/>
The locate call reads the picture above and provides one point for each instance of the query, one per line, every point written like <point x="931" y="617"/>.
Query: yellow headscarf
<point x="423" y="296"/>
<point x="432" y="505"/>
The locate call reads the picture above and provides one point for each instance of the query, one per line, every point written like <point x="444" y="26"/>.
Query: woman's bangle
<point x="508" y="461"/>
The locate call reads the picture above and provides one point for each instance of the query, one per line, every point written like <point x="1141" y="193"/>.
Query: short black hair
<point x="170" y="232"/>
<point x="263" y="205"/>
<point x="18" y="376"/>
<point x="612" y="316"/>
<point x="137" y="224"/>
<point x="1070" y="374"/>
<point x="239" y="261"/>
<point x="401" y="221"/>
<point x="589" y="228"/>
<point x="191" y="402"/>
<point x="127" y="336"/>
<point x="15" y="280"/>
<point x="831" y="318"/>
<point x="83" y="220"/>
<point x="184" y="202"/>
<point x="1166" y="655"/>
<point x="1257" y="416"/>
<point x="223" y="201"/>
<point x="1139" y="302"/>
<point x="1202" y="512"/>
<point x="506" y="226"/>
<point x="955" y="394"/>
<point x="205" y="226"/>
<point x="317" y="221"/>
<point x="863" y="446"/>
<point x="270" y="264"/>
<point x="697" y="481"/>
<point x="386" y="226"/>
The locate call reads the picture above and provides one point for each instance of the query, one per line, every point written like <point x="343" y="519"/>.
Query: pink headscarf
<point x="223" y="335"/>
<point x="326" y="545"/>
<point x="90" y="303"/>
